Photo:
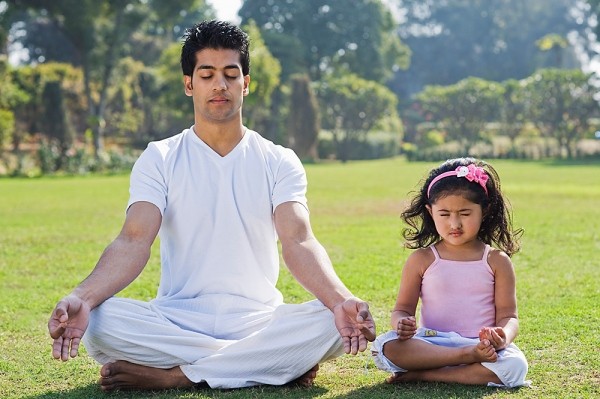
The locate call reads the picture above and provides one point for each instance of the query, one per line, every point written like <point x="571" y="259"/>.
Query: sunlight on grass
<point x="52" y="231"/>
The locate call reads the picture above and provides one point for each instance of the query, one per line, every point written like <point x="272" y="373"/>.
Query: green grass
<point x="52" y="231"/>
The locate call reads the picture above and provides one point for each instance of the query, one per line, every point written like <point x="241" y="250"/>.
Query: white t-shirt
<point x="218" y="240"/>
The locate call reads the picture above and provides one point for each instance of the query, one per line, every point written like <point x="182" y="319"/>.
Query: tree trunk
<point x="97" y="111"/>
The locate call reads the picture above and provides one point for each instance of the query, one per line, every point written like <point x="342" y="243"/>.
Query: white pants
<point x="270" y="346"/>
<point x="511" y="366"/>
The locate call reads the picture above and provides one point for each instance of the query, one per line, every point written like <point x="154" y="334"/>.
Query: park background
<point x="371" y="95"/>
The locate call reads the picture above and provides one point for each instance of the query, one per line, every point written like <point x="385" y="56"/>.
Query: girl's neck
<point x="470" y="251"/>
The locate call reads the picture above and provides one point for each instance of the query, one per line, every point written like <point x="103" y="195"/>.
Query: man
<point x="220" y="196"/>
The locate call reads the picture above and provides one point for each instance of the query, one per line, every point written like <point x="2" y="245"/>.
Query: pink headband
<point x="471" y="172"/>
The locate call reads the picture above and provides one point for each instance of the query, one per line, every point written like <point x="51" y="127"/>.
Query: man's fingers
<point x="368" y="334"/>
<point x="74" y="346"/>
<point x="346" y="342"/>
<point x="64" y="354"/>
<point x="354" y="345"/>
<point x="362" y="343"/>
<point x="56" y="347"/>
<point x="61" y="312"/>
<point x="58" y="320"/>
<point x="362" y="312"/>
<point x="55" y="329"/>
<point x="362" y="316"/>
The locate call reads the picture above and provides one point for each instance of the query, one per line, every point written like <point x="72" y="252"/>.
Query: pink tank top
<point x="458" y="295"/>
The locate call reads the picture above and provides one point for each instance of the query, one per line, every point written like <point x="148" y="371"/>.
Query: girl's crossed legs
<point x="447" y="357"/>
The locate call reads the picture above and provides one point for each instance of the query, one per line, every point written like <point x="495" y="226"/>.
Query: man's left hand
<point x="355" y="324"/>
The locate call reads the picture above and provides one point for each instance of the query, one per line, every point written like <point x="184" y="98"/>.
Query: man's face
<point x="217" y="85"/>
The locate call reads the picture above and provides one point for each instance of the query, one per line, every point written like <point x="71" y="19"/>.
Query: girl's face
<point x="457" y="220"/>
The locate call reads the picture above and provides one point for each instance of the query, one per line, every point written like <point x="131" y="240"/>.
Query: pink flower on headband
<point x="470" y="172"/>
<point x="473" y="173"/>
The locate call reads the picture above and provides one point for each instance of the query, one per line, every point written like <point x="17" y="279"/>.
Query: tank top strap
<point x="486" y="252"/>
<point x="435" y="252"/>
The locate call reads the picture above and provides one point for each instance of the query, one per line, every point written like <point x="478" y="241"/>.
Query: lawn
<point x="52" y="231"/>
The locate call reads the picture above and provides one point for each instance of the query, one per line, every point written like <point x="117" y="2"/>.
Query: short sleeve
<point x="147" y="181"/>
<point x="290" y="180"/>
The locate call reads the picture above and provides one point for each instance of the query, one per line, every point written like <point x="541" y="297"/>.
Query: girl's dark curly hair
<point x="496" y="226"/>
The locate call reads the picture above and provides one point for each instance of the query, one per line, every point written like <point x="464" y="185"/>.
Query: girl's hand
<point x="406" y="328"/>
<point x="495" y="335"/>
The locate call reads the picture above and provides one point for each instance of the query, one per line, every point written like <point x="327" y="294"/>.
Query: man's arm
<point x="125" y="258"/>
<point x="305" y="257"/>
<point x="309" y="263"/>
<point x="121" y="262"/>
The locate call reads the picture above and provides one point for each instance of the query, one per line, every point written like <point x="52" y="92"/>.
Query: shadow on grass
<point x="425" y="390"/>
<point x="92" y="391"/>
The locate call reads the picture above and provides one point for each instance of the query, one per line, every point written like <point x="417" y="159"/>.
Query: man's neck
<point x="222" y="138"/>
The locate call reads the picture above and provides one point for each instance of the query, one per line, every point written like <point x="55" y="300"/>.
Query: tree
<point x="11" y="96"/>
<point x="513" y="114"/>
<point x="126" y="99"/>
<point x="99" y="32"/>
<point x="493" y="40"/>
<point x="265" y="78"/>
<point x="352" y="107"/>
<point x="323" y="34"/>
<point x="6" y="20"/>
<point x="561" y="103"/>
<point x="595" y="10"/>
<point x="554" y="44"/>
<point x="56" y="123"/>
<point x="463" y="109"/>
<point x="303" y="120"/>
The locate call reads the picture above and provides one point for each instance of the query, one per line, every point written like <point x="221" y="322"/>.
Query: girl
<point x="468" y="317"/>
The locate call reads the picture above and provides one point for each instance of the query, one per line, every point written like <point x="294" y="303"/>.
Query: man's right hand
<point x="68" y="322"/>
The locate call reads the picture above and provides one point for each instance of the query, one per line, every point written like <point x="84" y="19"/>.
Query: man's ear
<point x="187" y="85"/>
<point x="246" y="90"/>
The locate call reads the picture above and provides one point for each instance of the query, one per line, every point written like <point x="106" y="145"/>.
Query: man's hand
<point x="355" y="324"/>
<point x="68" y="322"/>
<point x="406" y="328"/>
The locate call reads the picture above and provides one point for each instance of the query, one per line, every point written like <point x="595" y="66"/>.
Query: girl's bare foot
<point x="126" y="376"/>
<point x="396" y="377"/>
<point x="485" y="352"/>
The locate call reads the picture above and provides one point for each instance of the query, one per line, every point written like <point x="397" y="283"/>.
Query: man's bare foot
<point x="485" y="352"/>
<point x="307" y="379"/>
<point x="127" y="376"/>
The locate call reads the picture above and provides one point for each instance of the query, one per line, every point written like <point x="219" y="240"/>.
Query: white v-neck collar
<point x="216" y="156"/>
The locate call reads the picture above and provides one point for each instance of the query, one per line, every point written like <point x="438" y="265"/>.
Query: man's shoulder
<point x="167" y="145"/>
<point x="268" y="147"/>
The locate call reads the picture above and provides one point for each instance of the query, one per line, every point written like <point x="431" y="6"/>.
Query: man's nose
<point x="220" y="83"/>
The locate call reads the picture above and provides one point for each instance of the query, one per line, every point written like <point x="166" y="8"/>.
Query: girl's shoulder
<point x="420" y="260"/>
<point x="498" y="260"/>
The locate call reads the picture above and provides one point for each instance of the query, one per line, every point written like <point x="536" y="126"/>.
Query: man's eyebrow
<point x="211" y="67"/>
